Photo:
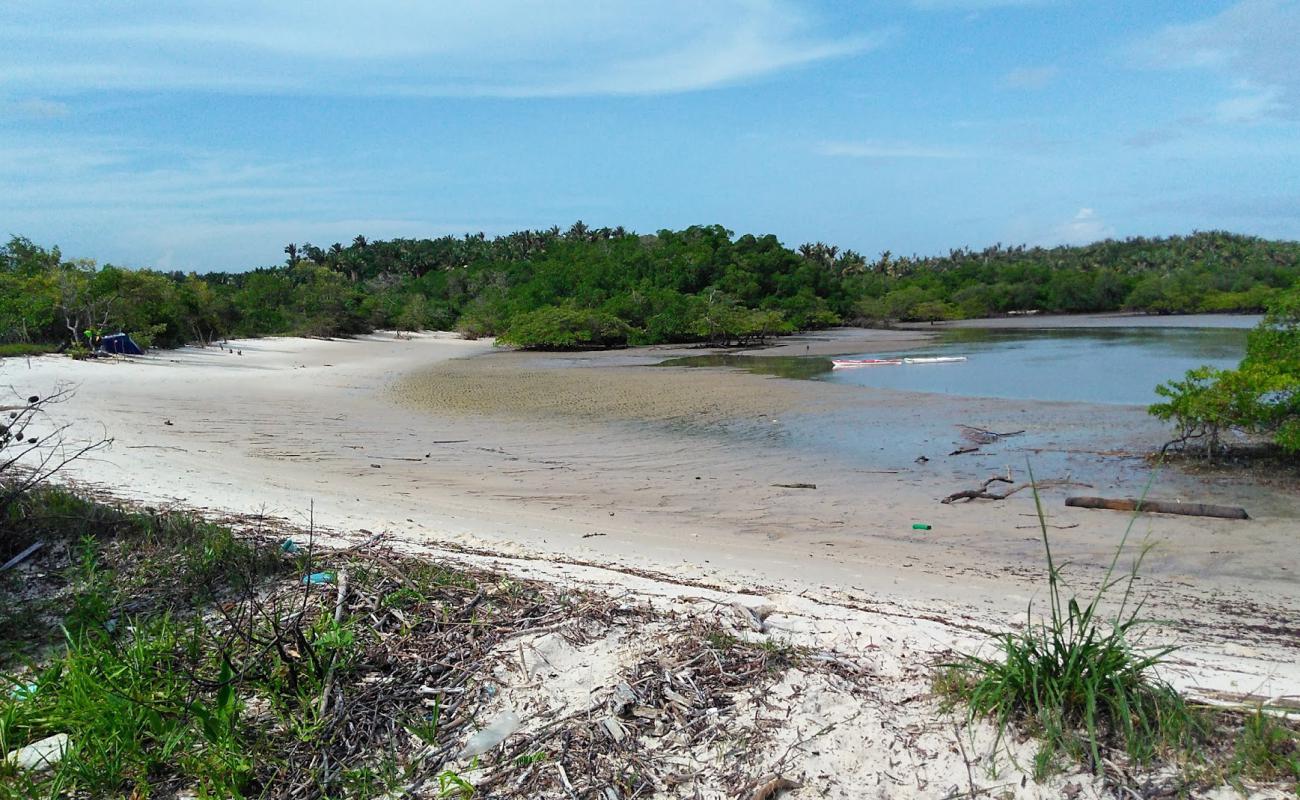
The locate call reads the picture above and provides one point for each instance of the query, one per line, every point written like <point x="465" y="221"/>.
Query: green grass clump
<point x="20" y="349"/>
<point x="1267" y="749"/>
<point x="133" y="713"/>
<point x="1076" y="679"/>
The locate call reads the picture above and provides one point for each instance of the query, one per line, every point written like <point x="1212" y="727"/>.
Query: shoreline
<point x="295" y="425"/>
<point x="1113" y="319"/>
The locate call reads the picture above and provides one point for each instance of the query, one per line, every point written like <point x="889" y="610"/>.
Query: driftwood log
<point x="1160" y="507"/>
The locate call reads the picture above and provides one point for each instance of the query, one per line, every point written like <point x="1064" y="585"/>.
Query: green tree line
<point x="592" y="287"/>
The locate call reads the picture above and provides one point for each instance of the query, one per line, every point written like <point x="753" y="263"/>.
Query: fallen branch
<point x="338" y="619"/>
<point x="983" y="492"/>
<point x="18" y="559"/>
<point x="984" y="436"/>
<point x="1160" y="507"/>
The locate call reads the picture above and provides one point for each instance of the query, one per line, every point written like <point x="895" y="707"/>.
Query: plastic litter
<point x="40" y="755"/>
<point x="505" y="723"/>
<point x="318" y="577"/>
<point x="920" y="526"/>
<point x="23" y="691"/>
<point x="290" y="546"/>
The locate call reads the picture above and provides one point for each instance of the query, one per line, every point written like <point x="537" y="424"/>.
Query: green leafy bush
<point x="559" y="328"/>
<point x="1259" y="398"/>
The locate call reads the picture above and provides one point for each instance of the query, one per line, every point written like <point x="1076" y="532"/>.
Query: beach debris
<point x="983" y="492"/>
<point x="168" y="422"/>
<point x="753" y="618"/>
<point x="1160" y="507"/>
<point x="318" y="578"/>
<point x="795" y="485"/>
<point x="614" y="728"/>
<point x="505" y="723"/>
<point x="39" y="755"/>
<point x="289" y="546"/>
<point x="961" y="451"/>
<point x="983" y="435"/>
<point x="18" y="559"/>
<point x="921" y="526"/>
<point x="769" y="786"/>
<point x="624" y="698"/>
<point x="589" y="535"/>
<point x="23" y="691"/>
<point x="921" y="459"/>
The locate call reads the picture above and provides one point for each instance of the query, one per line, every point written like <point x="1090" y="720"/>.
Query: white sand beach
<point x="577" y="469"/>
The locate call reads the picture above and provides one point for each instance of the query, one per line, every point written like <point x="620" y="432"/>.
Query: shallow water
<point x="1107" y="374"/>
<point x="1084" y="365"/>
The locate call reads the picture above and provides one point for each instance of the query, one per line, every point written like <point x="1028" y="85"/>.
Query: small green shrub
<point x="1076" y="679"/>
<point x="560" y="328"/>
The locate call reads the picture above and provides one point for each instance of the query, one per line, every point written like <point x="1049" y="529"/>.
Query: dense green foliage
<point x="1261" y="397"/>
<point x="599" y="287"/>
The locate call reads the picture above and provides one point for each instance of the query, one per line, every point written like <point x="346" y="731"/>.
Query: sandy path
<point x="639" y="468"/>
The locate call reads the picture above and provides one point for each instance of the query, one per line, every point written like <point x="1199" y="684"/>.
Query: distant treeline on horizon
<point x="595" y="287"/>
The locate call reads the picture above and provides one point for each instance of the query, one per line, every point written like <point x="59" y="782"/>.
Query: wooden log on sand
<point x="1160" y="507"/>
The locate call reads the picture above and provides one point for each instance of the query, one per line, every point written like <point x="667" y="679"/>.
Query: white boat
<point x="845" y="363"/>
<point x="934" y="360"/>
<point x="841" y="363"/>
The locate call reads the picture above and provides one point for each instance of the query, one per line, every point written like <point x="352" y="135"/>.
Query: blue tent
<point x="119" y="343"/>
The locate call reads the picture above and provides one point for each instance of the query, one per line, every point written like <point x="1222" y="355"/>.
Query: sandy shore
<point x="1114" y="320"/>
<point x="598" y="468"/>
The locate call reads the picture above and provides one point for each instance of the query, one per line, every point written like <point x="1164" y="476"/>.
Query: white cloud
<point x="508" y="48"/>
<point x="1251" y="105"/>
<point x="887" y="150"/>
<point x="1084" y="227"/>
<point x="141" y="202"/>
<point x="1253" y="42"/>
<point x="1030" y="78"/>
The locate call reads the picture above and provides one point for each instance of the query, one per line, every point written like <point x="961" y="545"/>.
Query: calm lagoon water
<point x="1111" y="366"/>
<point x="1093" y="365"/>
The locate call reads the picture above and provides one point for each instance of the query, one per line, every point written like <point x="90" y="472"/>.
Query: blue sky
<point x="207" y="135"/>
